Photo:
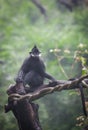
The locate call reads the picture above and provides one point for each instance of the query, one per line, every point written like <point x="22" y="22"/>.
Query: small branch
<point x="1" y="62"/>
<point x="85" y="84"/>
<point x="40" y="7"/>
<point x="47" y="89"/>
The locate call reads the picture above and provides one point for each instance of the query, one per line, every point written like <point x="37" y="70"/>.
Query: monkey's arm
<point x="22" y="72"/>
<point x="49" y="77"/>
<point x="20" y="76"/>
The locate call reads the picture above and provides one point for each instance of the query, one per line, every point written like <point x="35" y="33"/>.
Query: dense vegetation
<point x="62" y="39"/>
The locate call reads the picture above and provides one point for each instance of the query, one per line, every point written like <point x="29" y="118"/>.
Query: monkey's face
<point x="35" y="52"/>
<point x="35" y="55"/>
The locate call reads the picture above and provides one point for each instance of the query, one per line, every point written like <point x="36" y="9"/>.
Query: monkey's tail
<point x="83" y="99"/>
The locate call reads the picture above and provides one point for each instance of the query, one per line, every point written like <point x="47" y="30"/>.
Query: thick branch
<point x="25" y="111"/>
<point x="50" y="88"/>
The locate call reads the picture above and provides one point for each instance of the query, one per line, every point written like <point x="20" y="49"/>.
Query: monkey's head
<point x="35" y="52"/>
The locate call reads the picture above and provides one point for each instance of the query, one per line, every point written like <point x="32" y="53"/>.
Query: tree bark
<point x="26" y="112"/>
<point x="52" y="87"/>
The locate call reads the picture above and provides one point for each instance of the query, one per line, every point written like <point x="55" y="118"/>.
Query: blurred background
<point x="60" y="30"/>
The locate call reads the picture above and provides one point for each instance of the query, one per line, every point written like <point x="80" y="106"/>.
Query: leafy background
<point x="62" y="39"/>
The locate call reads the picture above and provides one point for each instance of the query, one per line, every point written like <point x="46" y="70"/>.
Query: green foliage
<point x="22" y="26"/>
<point x="81" y="17"/>
<point x="57" y="115"/>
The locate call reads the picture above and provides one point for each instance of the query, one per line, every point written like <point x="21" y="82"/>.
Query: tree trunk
<point x="25" y="112"/>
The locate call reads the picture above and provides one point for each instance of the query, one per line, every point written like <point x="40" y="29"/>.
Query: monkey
<point x="32" y="71"/>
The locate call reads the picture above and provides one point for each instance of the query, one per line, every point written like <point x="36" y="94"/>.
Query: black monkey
<point x="32" y="71"/>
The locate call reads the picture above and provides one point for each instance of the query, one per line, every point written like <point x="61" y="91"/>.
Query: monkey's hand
<point x="19" y="84"/>
<point x="52" y="84"/>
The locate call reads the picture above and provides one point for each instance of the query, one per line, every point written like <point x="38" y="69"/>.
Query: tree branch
<point x="51" y="87"/>
<point x="26" y="112"/>
<point x="40" y="7"/>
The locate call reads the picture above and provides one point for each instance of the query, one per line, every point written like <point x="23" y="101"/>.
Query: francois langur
<point x="32" y="71"/>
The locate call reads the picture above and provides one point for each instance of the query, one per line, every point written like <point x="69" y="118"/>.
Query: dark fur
<point x="32" y="72"/>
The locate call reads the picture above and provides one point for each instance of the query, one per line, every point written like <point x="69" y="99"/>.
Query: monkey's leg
<point x="34" y="80"/>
